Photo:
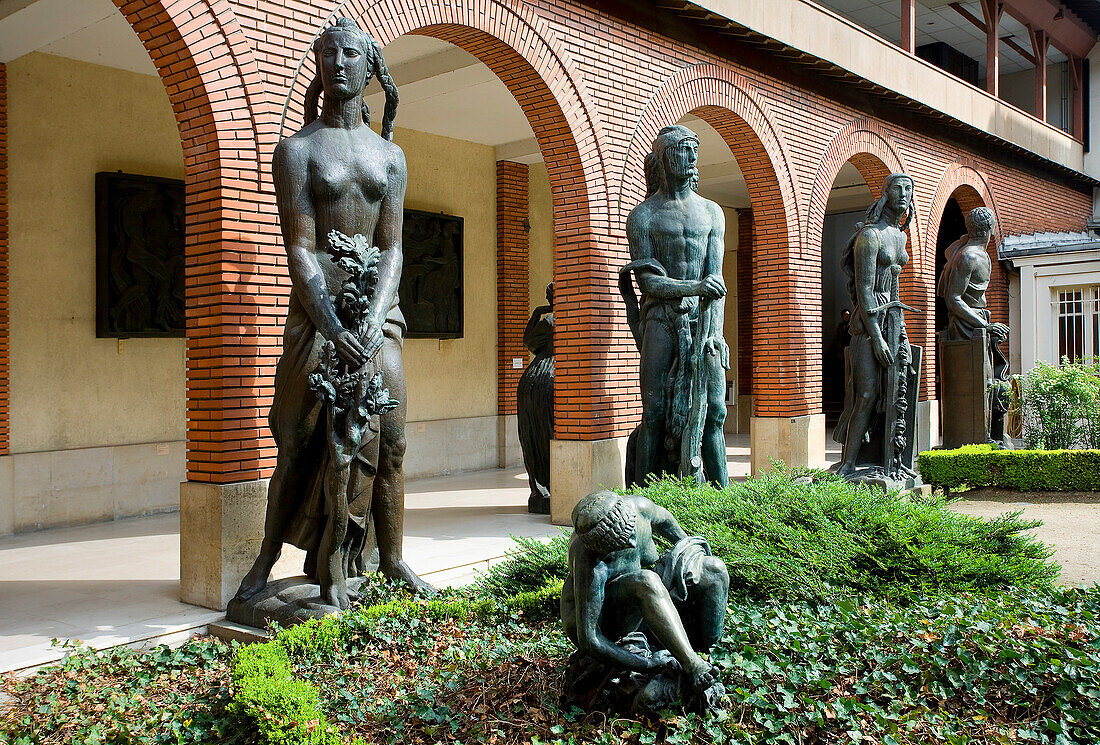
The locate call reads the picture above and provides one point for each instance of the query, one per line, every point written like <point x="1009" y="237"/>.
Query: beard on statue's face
<point x="682" y="159"/>
<point x="344" y="64"/>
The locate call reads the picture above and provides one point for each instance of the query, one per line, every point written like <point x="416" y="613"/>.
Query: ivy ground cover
<point x="979" y="648"/>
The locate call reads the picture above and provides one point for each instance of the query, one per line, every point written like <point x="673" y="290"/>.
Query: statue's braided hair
<point x="376" y="66"/>
<point x="605" y="522"/>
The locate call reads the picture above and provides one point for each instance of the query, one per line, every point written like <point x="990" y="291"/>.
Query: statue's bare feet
<point x="256" y="580"/>
<point x="336" y="595"/>
<point x="402" y="572"/>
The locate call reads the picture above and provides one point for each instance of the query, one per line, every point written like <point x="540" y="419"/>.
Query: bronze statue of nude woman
<point x="337" y="174"/>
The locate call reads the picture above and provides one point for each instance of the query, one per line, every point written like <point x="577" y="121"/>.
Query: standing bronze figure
<point x="338" y="415"/>
<point x="535" y="404"/>
<point x="881" y="367"/>
<point x="973" y="369"/>
<point x="676" y="245"/>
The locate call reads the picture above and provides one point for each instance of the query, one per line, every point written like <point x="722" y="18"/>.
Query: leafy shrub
<point x="285" y="708"/>
<point x="784" y="539"/>
<point x="1061" y="406"/>
<point x="1025" y="470"/>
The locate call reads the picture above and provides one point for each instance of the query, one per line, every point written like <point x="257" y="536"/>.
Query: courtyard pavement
<point x="117" y="583"/>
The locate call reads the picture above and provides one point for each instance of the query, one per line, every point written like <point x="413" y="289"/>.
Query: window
<point x="1078" y="320"/>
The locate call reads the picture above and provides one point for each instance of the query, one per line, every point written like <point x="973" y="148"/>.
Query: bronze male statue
<point x="628" y="607"/>
<point x="336" y="177"/>
<point x="962" y="285"/>
<point x="676" y="245"/>
<point x="881" y="369"/>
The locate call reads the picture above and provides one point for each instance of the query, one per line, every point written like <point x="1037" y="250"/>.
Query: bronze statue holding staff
<point x="876" y="427"/>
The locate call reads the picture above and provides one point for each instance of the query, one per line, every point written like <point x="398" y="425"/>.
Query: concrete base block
<point x="797" y="441"/>
<point x="580" y="467"/>
<point x="221" y="527"/>
<point x="744" y="413"/>
<point x="7" y="495"/>
<point x="928" y="425"/>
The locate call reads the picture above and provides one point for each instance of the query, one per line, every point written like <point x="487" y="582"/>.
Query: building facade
<point x="530" y="119"/>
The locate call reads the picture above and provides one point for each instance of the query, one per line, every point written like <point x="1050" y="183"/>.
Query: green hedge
<point x="1025" y="470"/>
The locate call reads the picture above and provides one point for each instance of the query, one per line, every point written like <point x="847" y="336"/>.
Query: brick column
<point x="745" y="244"/>
<point x="512" y="279"/>
<point x="7" y="495"/>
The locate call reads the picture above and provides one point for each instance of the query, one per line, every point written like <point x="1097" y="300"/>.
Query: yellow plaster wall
<point x="540" y="264"/>
<point x="66" y="121"/>
<point x="453" y="378"/>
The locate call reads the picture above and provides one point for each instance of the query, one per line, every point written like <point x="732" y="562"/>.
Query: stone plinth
<point x="964" y="369"/>
<point x="221" y="527"/>
<point x="580" y="467"/>
<point x="797" y="441"/>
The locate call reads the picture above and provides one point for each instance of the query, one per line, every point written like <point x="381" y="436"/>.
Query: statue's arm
<point x="589" y="584"/>
<point x="531" y="332"/>
<point x="387" y="237"/>
<point x="716" y="249"/>
<point x="641" y="247"/>
<point x="297" y="218"/>
<point x="663" y="522"/>
<point x="958" y="279"/>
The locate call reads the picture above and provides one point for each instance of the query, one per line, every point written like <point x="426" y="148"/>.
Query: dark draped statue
<point x="877" y="426"/>
<point x="535" y="404"/>
<point x="677" y="240"/>
<point x="338" y="414"/>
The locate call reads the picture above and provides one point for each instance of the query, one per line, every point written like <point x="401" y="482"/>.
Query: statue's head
<point x="897" y="195"/>
<point x="347" y="58"/>
<point x="980" y="222"/>
<point x="604" y="521"/>
<point x="673" y="157"/>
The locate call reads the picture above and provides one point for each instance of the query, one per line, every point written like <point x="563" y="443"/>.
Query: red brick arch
<point x="783" y="382"/>
<point x="523" y="51"/>
<point x="872" y="151"/>
<point x="212" y="81"/>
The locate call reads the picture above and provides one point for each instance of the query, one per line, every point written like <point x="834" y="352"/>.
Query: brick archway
<point x="523" y="52"/>
<point x="869" y="147"/>
<point x="213" y="83"/>
<point x="728" y="103"/>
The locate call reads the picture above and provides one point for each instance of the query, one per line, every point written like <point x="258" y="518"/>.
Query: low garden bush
<point x="1023" y="470"/>
<point x="782" y="538"/>
<point x="856" y="616"/>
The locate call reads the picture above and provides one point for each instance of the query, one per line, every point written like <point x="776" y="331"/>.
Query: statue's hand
<point x="998" y="330"/>
<point x="349" y="349"/>
<point x="718" y="346"/>
<point x="374" y="340"/>
<point x="711" y="286"/>
<point x="882" y="352"/>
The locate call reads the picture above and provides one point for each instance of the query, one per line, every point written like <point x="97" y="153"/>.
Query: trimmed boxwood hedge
<point x="1024" y="470"/>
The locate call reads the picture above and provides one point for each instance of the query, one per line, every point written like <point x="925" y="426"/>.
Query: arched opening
<point x="847" y="203"/>
<point x="94" y="288"/>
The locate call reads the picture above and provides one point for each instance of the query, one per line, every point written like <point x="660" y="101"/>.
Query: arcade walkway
<point x="118" y="583"/>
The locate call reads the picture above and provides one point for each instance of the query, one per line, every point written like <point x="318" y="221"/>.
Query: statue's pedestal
<point x="795" y="440"/>
<point x="964" y="369"/>
<point x="221" y="528"/>
<point x="286" y="602"/>
<point x="580" y="467"/>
